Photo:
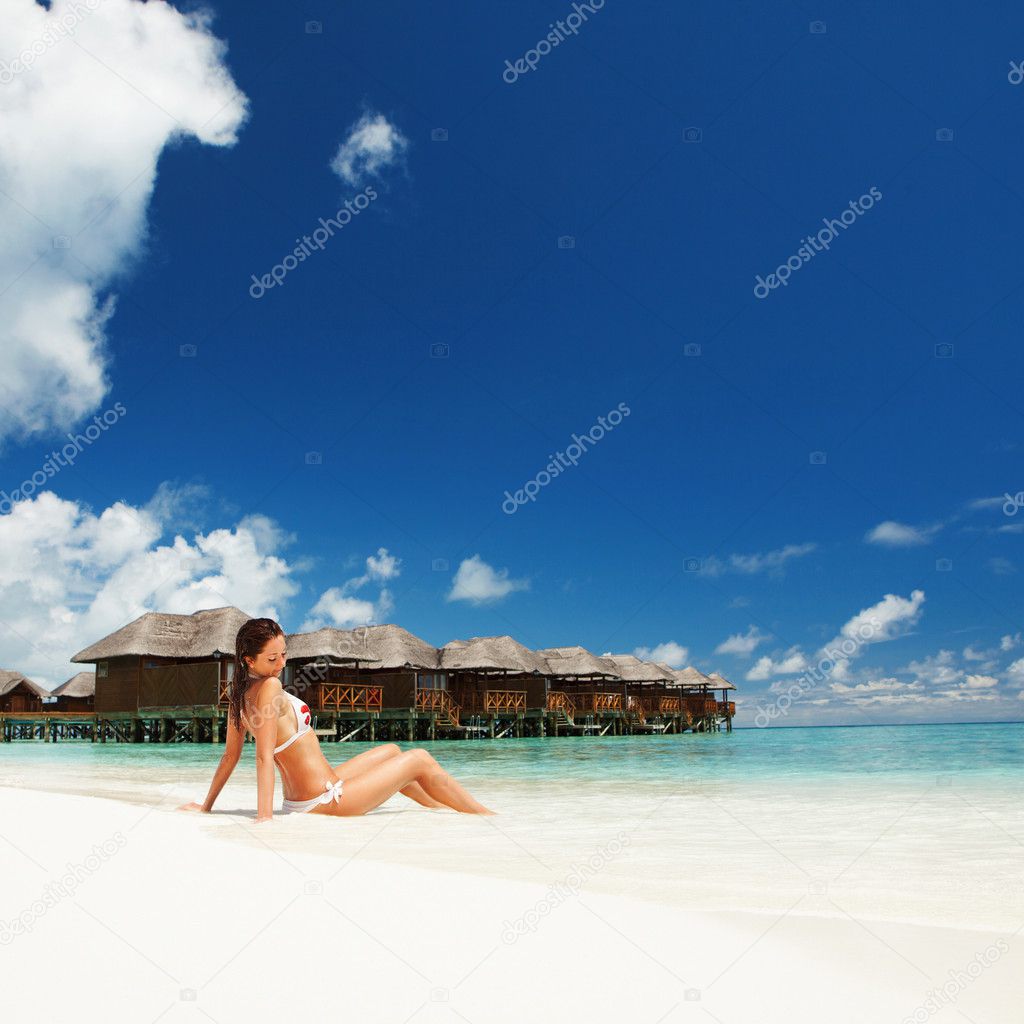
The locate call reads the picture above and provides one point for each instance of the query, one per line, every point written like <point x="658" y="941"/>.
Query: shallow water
<point x="910" y="823"/>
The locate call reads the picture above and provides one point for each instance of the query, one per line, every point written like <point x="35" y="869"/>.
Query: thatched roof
<point x="344" y="645"/>
<point x="578" y="663"/>
<point x="491" y="654"/>
<point x="10" y="681"/>
<point x="634" y="670"/>
<point x="692" y="677"/>
<point x="720" y="682"/>
<point x="83" y="684"/>
<point x="384" y="647"/>
<point x="202" y="634"/>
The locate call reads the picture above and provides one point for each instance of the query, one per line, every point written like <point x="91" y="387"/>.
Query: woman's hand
<point x="193" y="807"/>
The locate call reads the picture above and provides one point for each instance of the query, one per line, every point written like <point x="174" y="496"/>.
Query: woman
<point x="280" y="724"/>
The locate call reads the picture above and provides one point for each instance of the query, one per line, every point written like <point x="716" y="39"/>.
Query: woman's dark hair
<point x="251" y="639"/>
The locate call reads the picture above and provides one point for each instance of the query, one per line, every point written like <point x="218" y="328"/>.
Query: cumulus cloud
<point x="372" y="145"/>
<point x="479" y="583"/>
<point x="742" y="644"/>
<point x="343" y="608"/>
<point x="891" y="534"/>
<point x="69" y="576"/>
<point x="82" y="126"/>
<point x="891" y="617"/>
<point x="670" y="653"/>
<point x="790" y="663"/>
<point x="768" y="561"/>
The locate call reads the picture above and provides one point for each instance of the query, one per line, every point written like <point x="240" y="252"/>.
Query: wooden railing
<point x="596" y="703"/>
<point x="560" y="701"/>
<point x="504" y="700"/>
<point x="635" y="709"/>
<point x="668" y="705"/>
<point x="727" y="707"/>
<point x="701" y="705"/>
<point x="350" y="697"/>
<point x="428" y="699"/>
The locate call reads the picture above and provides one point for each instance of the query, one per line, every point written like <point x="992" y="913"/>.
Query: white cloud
<point x="372" y="145"/>
<point x="1001" y="566"/>
<point x="1015" y="672"/>
<point x="742" y="644"/>
<point x="81" y="133"/>
<point x="1010" y="642"/>
<point x="69" y="577"/>
<point x="899" y="535"/>
<point x="670" y="653"/>
<point x="936" y="669"/>
<point x="768" y="561"/>
<point x="339" y="607"/>
<point x="477" y="582"/>
<point x="889" y="618"/>
<point x="792" y="662"/>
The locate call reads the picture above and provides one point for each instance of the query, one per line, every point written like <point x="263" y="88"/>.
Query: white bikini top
<point x="302" y="721"/>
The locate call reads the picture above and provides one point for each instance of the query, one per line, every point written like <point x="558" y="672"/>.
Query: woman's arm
<point x="265" y="731"/>
<point x="233" y="743"/>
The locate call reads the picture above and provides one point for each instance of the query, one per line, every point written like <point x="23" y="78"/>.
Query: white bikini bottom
<point x="332" y="792"/>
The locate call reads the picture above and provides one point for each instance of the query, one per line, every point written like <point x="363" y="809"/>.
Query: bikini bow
<point x="333" y="792"/>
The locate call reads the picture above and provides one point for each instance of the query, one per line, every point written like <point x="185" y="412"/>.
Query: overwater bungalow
<point x="582" y="684"/>
<point x="371" y="674"/>
<point x="164" y="669"/>
<point x="726" y="707"/>
<point x="19" y="694"/>
<point x="496" y="677"/>
<point x="76" y="694"/>
<point x="651" y="691"/>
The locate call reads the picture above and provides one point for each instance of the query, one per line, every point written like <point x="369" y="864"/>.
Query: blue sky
<point x="444" y="344"/>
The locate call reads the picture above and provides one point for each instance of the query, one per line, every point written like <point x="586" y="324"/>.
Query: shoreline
<point x="177" y="914"/>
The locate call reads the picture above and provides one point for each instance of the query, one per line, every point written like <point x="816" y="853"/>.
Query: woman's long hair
<point x="251" y="639"/>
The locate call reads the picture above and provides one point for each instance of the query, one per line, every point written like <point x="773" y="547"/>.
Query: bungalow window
<point x="101" y="670"/>
<point x="432" y="681"/>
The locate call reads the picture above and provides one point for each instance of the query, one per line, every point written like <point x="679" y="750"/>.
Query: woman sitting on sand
<point x="280" y="724"/>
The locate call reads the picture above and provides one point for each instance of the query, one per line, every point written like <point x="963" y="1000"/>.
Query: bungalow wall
<point x="117" y="684"/>
<point x="179" y="682"/>
<point x="81" y="704"/>
<point x="469" y="689"/>
<point x="20" y="699"/>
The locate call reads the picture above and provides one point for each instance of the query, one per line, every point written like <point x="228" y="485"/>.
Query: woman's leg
<point x="371" y="788"/>
<point x="360" y="763"/>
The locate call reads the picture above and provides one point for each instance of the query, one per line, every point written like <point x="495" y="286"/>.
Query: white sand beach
<point x="177" y="917"/>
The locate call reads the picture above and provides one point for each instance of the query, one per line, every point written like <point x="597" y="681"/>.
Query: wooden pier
<point x="502" y="717"/>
